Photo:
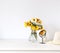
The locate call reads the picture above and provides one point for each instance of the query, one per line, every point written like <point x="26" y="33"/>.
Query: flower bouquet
<point x="35" y="24"/>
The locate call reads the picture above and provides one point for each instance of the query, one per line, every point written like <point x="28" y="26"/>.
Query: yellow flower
<point x="37" y="27"/>
<point x="33" y="27"/>
<point x="28" y="23"/>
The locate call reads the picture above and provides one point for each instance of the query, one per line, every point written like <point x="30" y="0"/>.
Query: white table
<point x="24" y="46"/>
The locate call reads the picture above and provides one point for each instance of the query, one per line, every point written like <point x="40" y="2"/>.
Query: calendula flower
<point x="42" y="32"/>
<point x="38" y="21"/>
<point x="33" y="27"/>
<point x="33" y="20"/>
<point x="29" y="23"/>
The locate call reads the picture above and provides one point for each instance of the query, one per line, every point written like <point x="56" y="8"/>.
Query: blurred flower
<point x="38" y="21"/>
<point x="33" y="27"/>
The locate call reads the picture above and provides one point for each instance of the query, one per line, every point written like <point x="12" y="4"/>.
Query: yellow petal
<point x="25" y="24"/>
<point x="33" y="27"/>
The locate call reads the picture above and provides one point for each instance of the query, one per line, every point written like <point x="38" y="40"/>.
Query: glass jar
<point x="33" y="36"/>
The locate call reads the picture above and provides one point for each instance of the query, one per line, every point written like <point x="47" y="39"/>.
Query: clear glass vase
<point x="43" y="39"/>
<point x="33" y="36"/>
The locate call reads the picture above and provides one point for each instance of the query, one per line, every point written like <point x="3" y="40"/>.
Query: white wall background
<point x="13" y="13"/>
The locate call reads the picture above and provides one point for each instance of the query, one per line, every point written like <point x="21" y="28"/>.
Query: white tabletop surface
<point x="26" y="45"/>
